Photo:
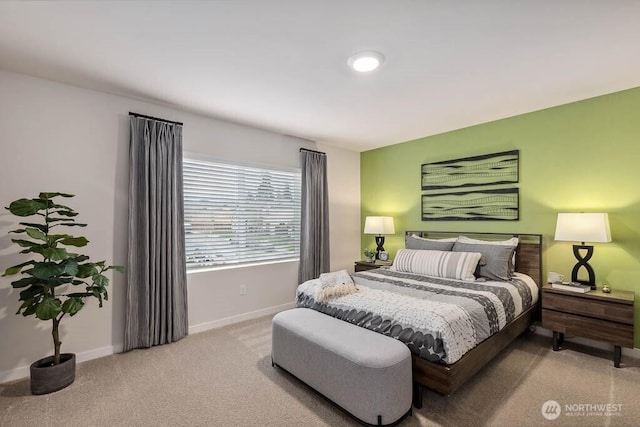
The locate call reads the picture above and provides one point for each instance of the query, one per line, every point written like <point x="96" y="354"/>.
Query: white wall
<point x="56" y="137"/>
<point x="343" y="174"/>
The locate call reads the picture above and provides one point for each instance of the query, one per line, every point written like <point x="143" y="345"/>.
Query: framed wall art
<point x="488" y="169"/>
<point x="482" y="205"/>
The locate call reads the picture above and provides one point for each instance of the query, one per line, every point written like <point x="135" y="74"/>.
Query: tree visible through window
<point x="238" y="215"/>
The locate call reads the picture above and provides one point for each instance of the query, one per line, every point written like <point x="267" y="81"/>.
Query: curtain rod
<point x="312" y="151"/>
<point x="155" y="118"/>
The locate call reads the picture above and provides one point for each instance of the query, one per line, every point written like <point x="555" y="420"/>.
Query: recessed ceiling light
<point x="366" y="61"/>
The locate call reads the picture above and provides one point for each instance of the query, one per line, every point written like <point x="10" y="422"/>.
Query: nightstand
<point x="364" y="266"/>
<point x="596" y="315"/>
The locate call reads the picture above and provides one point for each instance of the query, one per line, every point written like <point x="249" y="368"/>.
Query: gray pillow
<point x="420" y="243"/>
<point x="509" y="242"/>
<point x="495" y="260"/>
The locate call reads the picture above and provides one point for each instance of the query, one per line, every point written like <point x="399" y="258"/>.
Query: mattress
<point x="438" y="319"/>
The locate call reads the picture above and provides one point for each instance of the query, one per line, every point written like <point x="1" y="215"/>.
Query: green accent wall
<point x="578" y="157"/>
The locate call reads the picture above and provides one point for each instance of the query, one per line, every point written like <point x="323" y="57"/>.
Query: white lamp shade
<point x="379" y="225"/>
<point x="583" y="227"/>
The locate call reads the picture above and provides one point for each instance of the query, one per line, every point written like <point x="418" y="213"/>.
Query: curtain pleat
<point x="156" y="304"/>
<point x="314" y="227"/>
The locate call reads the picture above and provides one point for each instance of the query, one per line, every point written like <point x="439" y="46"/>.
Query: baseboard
<point x="23" y="371"/>
<point x="631" y="352"/>
<point x="201" y="327"/>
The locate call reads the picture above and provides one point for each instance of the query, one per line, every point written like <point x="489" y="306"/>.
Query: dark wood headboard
<point x="528" y="253"/>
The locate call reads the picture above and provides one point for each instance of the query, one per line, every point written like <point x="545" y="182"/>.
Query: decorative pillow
<point x="451" y="265"/>
<point x="496" y="259"/>
<point x="335" y="284"/>
<point x="335" y="291"/>
<point x="509" y="242"/>
<point x="335" y="278"/>
<point x="415" y="242"/>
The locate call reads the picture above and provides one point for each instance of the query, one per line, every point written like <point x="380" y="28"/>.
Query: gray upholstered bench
<point x="365" y="373"/>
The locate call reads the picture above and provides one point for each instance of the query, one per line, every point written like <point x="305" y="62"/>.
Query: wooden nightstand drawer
<point x="607" y="310"/>
<point x="597" y="315"/>
<point x="598" y="329"/>
<point x="364" y="266"/>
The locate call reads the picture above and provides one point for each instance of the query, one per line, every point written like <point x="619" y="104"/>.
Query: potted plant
<point x="369" y="255"/>
<point x="54" y="282"/>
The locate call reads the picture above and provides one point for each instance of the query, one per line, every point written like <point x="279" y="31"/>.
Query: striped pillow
<point x="451" y="265"/>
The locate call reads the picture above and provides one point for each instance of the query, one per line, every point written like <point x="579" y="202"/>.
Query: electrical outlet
<point x="243" y="289"/>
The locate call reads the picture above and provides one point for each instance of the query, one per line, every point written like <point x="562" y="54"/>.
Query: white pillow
<point x="510" y="242"/>
<point x="448" y="239"/>
<point x="451" y="265"/>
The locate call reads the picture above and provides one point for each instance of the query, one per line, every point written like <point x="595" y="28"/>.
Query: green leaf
<point x="12" y="271"/>
<point x="56" y="219"/>
<point x="66" y="224"/>
<point x="26" y="207"/>
<point x="56" y="281"/>
<point x="118" y="268"/>
<point x="100" y="280"/>
<point x="18" y="231"/>
<point x="66" y="213"/>
<point x="31" y="292"/>
<point x="54" y="238"/>
<point x="24" y="282"/>
<point x="41" y="227"/>
<point x="55" y="254"/>
<point x="98" y="295"/>
<point x="34" y="233"/>
<point x="36" y="249"/>
<point x="80" y="294"/>
<point x="74" y="241"/>
<point x="29" y="306"/>
<point x="16" y="268"/>
<point x="45" y="270"/>
<point x="48" y="308"/>
<point x="86" y="270"/>
<point x="24" y="243"/>
<point x="72" y="305"/>
<point x="71" y="268"/>
<point x="52" y="195"/>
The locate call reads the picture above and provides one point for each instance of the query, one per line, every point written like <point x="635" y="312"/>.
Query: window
<point x="238" y="215"/>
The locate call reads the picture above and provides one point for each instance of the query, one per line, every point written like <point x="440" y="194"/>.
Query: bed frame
<point x="446" y="379"/>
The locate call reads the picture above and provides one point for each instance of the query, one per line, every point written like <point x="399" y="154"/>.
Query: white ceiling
<point x="282" y="64"/>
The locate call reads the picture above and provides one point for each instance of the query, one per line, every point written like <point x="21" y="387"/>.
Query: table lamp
<point x="379" y="225"/>
<point x="583" y="227"/>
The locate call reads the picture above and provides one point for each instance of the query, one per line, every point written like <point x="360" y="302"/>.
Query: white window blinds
<point x="238" y="215"/>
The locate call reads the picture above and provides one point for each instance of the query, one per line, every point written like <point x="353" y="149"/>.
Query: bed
<point x="453" y="327"/>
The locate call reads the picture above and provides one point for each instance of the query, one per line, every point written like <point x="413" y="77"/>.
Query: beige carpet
<point x="224" y="377"/>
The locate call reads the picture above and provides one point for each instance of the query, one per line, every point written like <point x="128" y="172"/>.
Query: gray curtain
<point x="156" y="304"/>
<point x="314" y="231"/>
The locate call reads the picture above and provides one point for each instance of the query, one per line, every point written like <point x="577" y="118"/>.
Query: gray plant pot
<point x="47" y="378"/>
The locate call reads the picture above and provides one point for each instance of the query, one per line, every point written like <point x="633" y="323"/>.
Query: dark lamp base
<point x="380" y="248"/>
<point x="583" y="262"/>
